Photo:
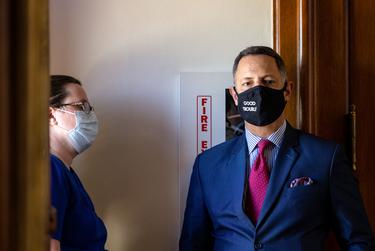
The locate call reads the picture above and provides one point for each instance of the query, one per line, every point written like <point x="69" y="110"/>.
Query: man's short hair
<point x="261" y="50"/>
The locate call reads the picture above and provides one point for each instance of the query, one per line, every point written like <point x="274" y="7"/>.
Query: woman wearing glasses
<point x="73" y="127"/>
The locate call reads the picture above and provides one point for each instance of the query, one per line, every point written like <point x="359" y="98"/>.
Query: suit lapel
<point x="285" y="160"/>
<point x="236" y="168"/>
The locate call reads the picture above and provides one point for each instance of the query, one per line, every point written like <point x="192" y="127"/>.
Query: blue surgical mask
<point x="84" y="133"/>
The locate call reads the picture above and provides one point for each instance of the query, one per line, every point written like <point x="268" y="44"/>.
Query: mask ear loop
<point x="69" y="112"/>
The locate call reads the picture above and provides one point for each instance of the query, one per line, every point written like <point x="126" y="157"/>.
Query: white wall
<point x="129" y="55"/>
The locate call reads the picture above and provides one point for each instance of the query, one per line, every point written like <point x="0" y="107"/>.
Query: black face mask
<point x="261" y="105"/>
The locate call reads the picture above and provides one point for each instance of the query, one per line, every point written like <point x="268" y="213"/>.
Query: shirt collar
<point x="276" y="137"/>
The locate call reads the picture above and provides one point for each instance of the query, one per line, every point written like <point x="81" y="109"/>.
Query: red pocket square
<point x="302" y="181"/>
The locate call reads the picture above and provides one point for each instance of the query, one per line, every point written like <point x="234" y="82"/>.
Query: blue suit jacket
<point x="292" y="219"/>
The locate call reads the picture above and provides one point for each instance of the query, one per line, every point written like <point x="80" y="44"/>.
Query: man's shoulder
<point x="227" y="146"/>
<point x="310" y="142"/>
<point x="221" y="152"/>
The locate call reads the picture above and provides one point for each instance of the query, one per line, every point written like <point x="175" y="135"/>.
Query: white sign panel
<point x="202" y="120"/>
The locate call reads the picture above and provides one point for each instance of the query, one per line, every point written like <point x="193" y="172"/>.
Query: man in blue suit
<point x="274" y="188"/>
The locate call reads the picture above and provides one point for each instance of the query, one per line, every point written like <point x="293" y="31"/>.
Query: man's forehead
<point x="258" y="61"/>
<point x="257" y="64"/>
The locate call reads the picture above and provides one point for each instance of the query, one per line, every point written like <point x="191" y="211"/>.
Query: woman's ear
<point x="233" y="94"/>
<point x="51" y="117"/>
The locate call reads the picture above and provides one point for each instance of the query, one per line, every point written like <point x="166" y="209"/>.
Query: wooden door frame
<point x="312" y="37"/>
<point x="24" y="151"/>
<point x="4" y="128"/>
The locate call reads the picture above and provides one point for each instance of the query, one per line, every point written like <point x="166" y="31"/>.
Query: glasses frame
<point x="84" y="106"/>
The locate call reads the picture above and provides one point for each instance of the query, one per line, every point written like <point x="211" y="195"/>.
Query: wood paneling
<point x="4" y="127"/>
<point x="331" y="72"/>
<point x="306" y="65"/>
<point x="317" y="57"/>
<point x="24" y="77"/>
<point x="362" y="94"/>
<point x="306" y="35"/>
<point x="285" y="30"/>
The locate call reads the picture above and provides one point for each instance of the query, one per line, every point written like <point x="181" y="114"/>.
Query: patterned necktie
<point x="258" y="181"/>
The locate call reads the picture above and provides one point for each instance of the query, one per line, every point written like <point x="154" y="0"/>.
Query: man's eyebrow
<point x="262" y="77"/>
<point x="269" y="75"/>
<point x="246" y="78"/>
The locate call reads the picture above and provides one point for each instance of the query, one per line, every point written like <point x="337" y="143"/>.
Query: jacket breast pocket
<point x="306" y="201"/>
<point x="306" y="194"/>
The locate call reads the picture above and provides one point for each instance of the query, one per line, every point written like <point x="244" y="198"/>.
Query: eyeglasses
<point x="80" y="106"/>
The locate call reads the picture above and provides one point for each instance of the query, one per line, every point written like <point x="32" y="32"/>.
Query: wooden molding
<point x="285" y="31"/>
<point x="4" y="127"/>
<point x="311" y="36"/>
<point x="24" y="151"/>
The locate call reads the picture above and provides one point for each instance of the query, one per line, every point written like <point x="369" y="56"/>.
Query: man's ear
<point x="233" y="94"/>
<point x="288" y="90"/>
<point x="51" y="117"/>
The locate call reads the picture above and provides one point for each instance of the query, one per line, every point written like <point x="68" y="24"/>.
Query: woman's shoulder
<point x="59" y="172"/>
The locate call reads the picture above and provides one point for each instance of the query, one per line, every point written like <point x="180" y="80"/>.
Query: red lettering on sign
<point x="204" y="119"/>
<point x="204" y="123"/>
<point x="204" y="145"/>
<point x="204" y="101"/>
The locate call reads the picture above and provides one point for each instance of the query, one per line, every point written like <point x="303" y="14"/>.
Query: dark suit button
<point x="258" y="245"/>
